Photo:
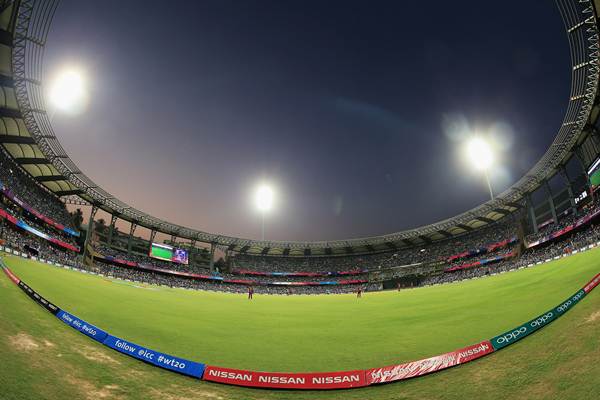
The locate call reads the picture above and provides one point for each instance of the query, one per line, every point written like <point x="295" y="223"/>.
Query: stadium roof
<point x="26" y="133"/>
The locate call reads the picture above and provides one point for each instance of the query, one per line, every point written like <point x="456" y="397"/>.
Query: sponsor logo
<point x="522" y="331"/>
<point x="237" y="376"/>
<point x="578" y="296"/>
<point x="429" y="365"/>
<point x="512" y="336"/>
<point x="286" y="380"/>
<point x="324" y="380"/>
<point x="570" y="302"/>
<point x="335" y="379"/>
<point x="467" y="354"/>
<point x="564" y="306"/>
<point x="592" y="284"/>
<point x="542" y="320"/>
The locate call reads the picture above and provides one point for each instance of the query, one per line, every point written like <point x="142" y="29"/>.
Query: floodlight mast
<point x="487" y="179"/>
<point x="481" y="157"/>
<point x="264" y="203"/>
<point x="67" y="91"/>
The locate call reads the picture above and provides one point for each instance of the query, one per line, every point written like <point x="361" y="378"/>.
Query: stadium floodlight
<point x="480" y="153"/>
<point x="481" y="156"/>
<point x="68" y="91"/>
<point x="264" y="198"/>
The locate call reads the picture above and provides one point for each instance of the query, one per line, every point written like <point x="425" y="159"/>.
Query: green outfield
<point x="43" y="358"/>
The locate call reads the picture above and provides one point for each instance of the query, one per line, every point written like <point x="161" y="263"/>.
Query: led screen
<point x="168" y="253"/>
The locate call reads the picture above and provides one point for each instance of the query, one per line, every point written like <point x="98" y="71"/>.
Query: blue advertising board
<point x="162" y="360"/>
<point x="82" y="326"/>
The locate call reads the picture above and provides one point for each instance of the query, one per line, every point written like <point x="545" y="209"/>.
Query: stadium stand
<point x="471" y="245"/>
<point x="435" y="265"/>
<point x="31" y="225"/>
<point x="530" y="221"/>
<point x="17" y="181"/>
<point x="16" y="239"/>
<point x="492" y="249"/>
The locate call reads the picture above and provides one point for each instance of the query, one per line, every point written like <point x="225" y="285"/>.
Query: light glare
<point x="480" y="153"/>
<point x="68" y="91"/>
<point x="264" y="198"/>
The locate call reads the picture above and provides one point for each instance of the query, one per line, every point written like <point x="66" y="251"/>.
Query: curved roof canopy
<point x="28" y="137"/>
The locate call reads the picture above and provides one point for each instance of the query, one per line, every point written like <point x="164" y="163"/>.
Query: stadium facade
<point x="28" y="139"/>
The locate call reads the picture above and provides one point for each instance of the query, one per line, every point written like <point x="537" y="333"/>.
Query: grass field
<point x="43" y="358"/>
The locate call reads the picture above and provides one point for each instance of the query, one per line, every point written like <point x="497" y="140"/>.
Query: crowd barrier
<point x="315" y="380"/>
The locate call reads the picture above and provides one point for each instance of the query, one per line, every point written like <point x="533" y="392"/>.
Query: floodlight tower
<point x="264" y="202"/>
<point x="68" y="91"/>
<point x="481" y="156"/>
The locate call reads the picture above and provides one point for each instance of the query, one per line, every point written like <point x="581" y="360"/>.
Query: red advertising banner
<point x="317" y="380"/>
<point x="9" y="217"/>
<point x="64" y="244"/>
<point x="592" y="284"/>
<point x="12" y="276"/>
<point x="428" y="365"/>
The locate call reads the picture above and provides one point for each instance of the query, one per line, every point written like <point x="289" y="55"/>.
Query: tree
<point x="77" y="218"/>
<point x="100" y="226"/>
<point x="220" y="264"/>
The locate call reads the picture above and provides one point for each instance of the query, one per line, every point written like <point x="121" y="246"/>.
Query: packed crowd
<point x="204" y="270"/>
<point x="562" y="245"/>
<point x="438" y="251"/>
<point x="564" y="219"/>
<point x="299" y="264"/>
<point x="531" y="256"/>
<point x="29" y="191"/>
<point x="559" y="247"/>
<point x="429" y="264"/>
<point x="35" y="223"/>
<point x="16" y="239"/>
<point x="502" y="252"/>
<point x="175" y="281"/>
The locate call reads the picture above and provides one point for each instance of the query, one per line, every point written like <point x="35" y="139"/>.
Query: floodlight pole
<point x="263" y="233"/>
<point x="487" y="179"/>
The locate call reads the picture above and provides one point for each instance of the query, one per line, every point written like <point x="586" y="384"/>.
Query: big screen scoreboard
<point x="169" y="253"/>
<point x="594" y="173"/>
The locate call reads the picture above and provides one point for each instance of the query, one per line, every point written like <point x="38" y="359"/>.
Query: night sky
<point x="354" y="110"/>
